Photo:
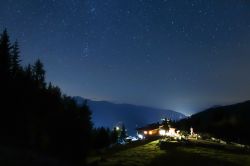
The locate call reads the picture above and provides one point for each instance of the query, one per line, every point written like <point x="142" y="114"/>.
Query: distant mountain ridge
<point x="109" y="114"/>
<point x="229" y="122"/>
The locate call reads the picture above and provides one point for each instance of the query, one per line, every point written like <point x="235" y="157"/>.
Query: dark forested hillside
<point x="35" y="115"/>
<point x="228" y="122"/>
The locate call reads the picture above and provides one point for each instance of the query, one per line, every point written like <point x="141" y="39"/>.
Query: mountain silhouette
<point x="229" y="122"/>
<point x="109" y="114"/>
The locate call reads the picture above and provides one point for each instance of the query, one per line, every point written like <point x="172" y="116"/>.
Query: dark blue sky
<point x="183" y="55"/>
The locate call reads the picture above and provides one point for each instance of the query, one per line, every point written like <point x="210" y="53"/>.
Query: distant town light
<point x="145" y="132"/>
<point x="140" y="136"/>
<point x="150" y="132"/>
<point x="162" y="132"/>
<point x="117" y="128"/>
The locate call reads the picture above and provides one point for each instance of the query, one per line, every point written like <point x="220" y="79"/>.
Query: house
<point x="157" y="129"/>
<point x="149" y="130"/>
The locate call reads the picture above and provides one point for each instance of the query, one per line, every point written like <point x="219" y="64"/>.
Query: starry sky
<point x="184" y="55"/>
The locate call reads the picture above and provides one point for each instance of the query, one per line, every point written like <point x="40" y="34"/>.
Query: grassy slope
<point x="151" y="154"/>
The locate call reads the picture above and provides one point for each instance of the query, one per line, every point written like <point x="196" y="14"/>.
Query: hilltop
<point x="230" y="122"/>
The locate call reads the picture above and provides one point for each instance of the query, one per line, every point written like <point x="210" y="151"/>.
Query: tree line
<point x="37" y="116"/>
<point x="104" y="137"/>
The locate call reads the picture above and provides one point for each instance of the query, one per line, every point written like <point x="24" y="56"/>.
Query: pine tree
<point x="15" y="61"/>
<point x="123" y="134"/>
<point x="39" y="74"/>
<point x="28" y="72"/>
<point x="5" y="58"/>
<point x="114" y="136"/>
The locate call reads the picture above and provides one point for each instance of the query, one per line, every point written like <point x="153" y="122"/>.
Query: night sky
<point x="182" y="55"/>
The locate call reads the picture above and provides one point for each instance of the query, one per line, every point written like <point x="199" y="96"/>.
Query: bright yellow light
<point x="117" y="128"/>
<point x="145" y="132"/>
<point x="150" y="132"/>
<point x="162" y="132"/>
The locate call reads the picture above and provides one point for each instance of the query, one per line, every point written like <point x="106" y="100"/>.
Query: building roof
<point x="149" y="127"/>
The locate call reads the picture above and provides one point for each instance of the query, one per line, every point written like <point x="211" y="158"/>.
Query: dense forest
<point x="230" y="122"/>
<point x="38" y="117"/>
